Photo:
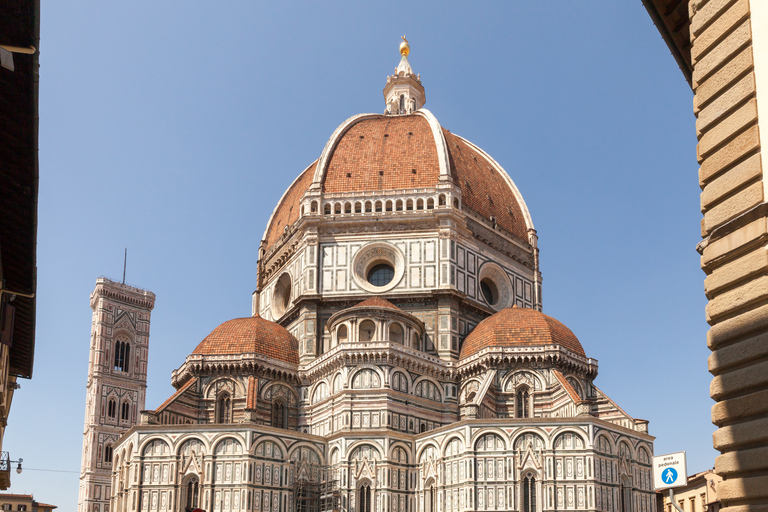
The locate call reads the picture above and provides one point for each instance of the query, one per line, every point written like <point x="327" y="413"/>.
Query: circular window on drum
<point x="495" y="289"/>
<point x="281" y="298"/>
<point x="378" y="267"/>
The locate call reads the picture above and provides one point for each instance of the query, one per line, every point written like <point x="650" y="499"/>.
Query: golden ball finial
<point x="405" y="48"/>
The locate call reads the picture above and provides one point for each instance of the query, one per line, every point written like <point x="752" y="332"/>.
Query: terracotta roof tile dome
<point x="375" y="302"/>
<point x="251" y="335"/>
<point x="372" y="152"/>
<point x="515" y="327"/>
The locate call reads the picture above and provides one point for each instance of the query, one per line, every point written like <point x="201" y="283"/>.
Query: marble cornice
<point x="237" y="364"/>
<point x="535" y="356"/>
<point x="378" y="352"/>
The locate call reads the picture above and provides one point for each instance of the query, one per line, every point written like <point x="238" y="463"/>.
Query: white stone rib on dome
<point x="325" y="156"/>
<point x="282" y="198"/>
<point x="508" y="179"/>
<point x="440" y="144"/>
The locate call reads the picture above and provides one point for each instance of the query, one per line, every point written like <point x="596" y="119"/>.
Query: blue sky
<point x="174" y="127"/>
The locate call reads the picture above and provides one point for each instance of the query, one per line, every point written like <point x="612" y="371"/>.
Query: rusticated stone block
<point x="733" y="206"/>
<point x="742" y="461"/>
<point x="723" y="78"/>
<point x="723" y="248"/>
<point x="740" y="434"/>
<point x="739" y="119"/>
<point x="751" y="323"/>
<point x="753" y="486"/>
<point x="739" y="353"/>
<point x="739" y="408"/>
<point x="731" y="273"/>
<point x="755" y="507"/>
<point x="739" y="381"/>
<point x="716" y="110"/>
<point x="723" y="51"/>
<point x="746" y="171"/>
<point x="706" y="14"/>
<point x="724" y="23"/>
<point x="745" y="142"/>
<point x="735" y="299"/>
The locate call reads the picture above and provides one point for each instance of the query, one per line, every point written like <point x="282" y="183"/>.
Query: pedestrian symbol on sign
<point x="669" y="476"/>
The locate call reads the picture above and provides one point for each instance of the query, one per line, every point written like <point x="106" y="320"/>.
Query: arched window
<point x="415" y="341"/>
<point x="522" y="407"/>
<point x="122" y="354"/>
<point x="224" y="408"/>
<point x="402" y="103"/>
<point x="125" y="411"/>
<point x="108" y="454"/>
<point x="364" y="498"/>
<point x="341" y="334"/>
<point x="528" y="493"/>
<point x="112" y="408"/>
<point x="327" y="209"/>
<point x="192" y="490"/>
<point x="279" y="414"/>
<point x="367" y="330"/>
<point x="396" y="333"/>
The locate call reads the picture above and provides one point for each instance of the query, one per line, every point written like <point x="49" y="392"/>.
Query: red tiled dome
<point x="381" y="152"/>
<point x="251" y="335"/>
<point x="515" y="327"/>
<point x="375" y="302"/>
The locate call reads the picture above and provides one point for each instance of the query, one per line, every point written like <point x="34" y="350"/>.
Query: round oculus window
<point x="381" y="274"/>
<point x="378" y="267"/>
<point x="281" y="298"/>
<point x="490" y="291"/>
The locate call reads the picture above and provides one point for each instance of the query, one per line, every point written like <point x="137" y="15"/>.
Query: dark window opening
<point x="529" y="494"/>
<point x="122" y="353"/>
<point x="193" y="494"/>
<point x="381" y="274"/>
<point x="489" y="290"/>
<point x="225" y="409"/>
<point x="364" y="498"/>
<point x="522" y="410"/>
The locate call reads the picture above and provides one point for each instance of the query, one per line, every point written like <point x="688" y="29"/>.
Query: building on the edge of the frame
<point x="23" y="503"/>
<point x="397" y="358"/>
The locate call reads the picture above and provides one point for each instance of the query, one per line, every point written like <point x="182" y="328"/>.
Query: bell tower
<point x="117" y="382"/>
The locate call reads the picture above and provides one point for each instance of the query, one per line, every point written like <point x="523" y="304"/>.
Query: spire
<point x="404" y="93"/>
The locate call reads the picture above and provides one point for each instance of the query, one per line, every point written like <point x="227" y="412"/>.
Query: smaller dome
<point x="375" y="302"/>
<point x="515" y="327"/>
<point x="251" y="335"/>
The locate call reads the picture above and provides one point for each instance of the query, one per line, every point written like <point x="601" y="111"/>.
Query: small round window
<point x="281" y="298"/>
<point x="490" y="291"/>
<point x="381" y="274"/>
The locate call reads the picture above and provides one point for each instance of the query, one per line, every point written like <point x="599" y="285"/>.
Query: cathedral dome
<point x="371" y="153"/>
<point x="251" y="335"/>
<point x="519" y="327"/>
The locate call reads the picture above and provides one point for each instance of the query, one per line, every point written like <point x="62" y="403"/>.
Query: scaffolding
<point x="315" y="488"/>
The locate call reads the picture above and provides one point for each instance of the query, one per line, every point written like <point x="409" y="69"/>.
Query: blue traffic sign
<point x="669" y="476"/>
